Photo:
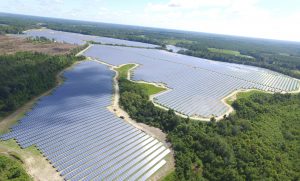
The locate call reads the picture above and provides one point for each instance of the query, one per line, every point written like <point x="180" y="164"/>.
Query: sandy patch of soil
<point x="34" y="163"/>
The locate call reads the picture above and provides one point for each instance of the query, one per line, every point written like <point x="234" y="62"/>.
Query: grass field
<point x="123" y="70"/>
<point x="240" y="95"/>
<point x="150" y="88"/>
<point x="229" y="52"/>
<point x="174" y="41"/>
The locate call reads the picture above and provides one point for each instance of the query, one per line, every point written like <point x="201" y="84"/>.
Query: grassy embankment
<point x="149" y="88"/>
<point x="11" y="168"/>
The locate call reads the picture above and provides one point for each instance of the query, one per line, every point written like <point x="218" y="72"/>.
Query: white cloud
<point x="235" y="17"/>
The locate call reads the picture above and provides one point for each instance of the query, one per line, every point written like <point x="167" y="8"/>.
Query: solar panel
<point x="197" y="85"/>
<point x="76" y="132"/>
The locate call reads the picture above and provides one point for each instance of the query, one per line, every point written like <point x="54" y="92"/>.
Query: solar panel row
<point x="197" y="85"/>
<point x="75" y="38"/>
<point x="74" y="130"/>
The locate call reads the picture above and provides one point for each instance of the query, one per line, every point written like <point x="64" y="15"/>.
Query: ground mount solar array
<point x="81" y="138"/>
<point x="197" y="85"/>
<point x="80" y="39"/>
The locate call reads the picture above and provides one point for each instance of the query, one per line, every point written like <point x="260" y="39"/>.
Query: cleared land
<point x="12" y="44"/>
<point x="229" y="52"/>
<point x="124" y="70"/>
<point x="34" y="163"/>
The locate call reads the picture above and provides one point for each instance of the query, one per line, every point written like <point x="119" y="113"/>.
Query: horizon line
<point x="161" y="28"/>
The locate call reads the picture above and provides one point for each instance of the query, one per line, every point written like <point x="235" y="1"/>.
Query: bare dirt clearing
<point x="35" y="164"/>
<point x="12" y="44"/>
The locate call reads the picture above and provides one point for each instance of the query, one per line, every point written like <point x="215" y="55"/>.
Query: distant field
<point x="11" y="45"/>
<point x="229" y="52"/>
<point x="296" y="72"/>
<point x="177" y="41"/>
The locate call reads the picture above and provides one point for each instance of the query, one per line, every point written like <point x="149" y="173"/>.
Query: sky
<point x="272" y="19"/>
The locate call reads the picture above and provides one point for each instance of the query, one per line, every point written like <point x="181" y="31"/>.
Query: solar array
<point x="197" y="85"/>
<point x="80" y="39"/>
<point x="74" y="130"/>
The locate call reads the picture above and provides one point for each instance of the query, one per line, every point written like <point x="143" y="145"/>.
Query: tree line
<point x="259" y="142"/>
<point x="281" y="56"/>
<point x="27" y="74"/>
<point x="11" y="169"/>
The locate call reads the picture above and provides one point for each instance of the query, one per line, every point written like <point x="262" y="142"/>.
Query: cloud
<point x="190" y="4"/>
<point x="235" y="17"/>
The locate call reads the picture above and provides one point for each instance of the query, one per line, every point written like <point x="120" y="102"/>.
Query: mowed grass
<point x="12" y="144"/>
<point x="228" y="52"/>
<point x="247" y="94"/>
<point x="149" y="88"/>
<point x="175" y="41"/>
<point x="4" y="128"/>
<point x="123" y="70"/>
<point x="241" y="95"/>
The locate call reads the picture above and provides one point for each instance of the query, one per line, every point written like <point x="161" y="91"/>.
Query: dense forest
<point x="259" y="142"/>
<point x="26" y="74"/>
<point x="281" y="56"/>
<point x="11" y="169"/>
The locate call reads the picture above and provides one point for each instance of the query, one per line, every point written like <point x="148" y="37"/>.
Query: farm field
<point x="81" y="138"/>
<point x="229" y="52"/>
<point x="12" y="44"/>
